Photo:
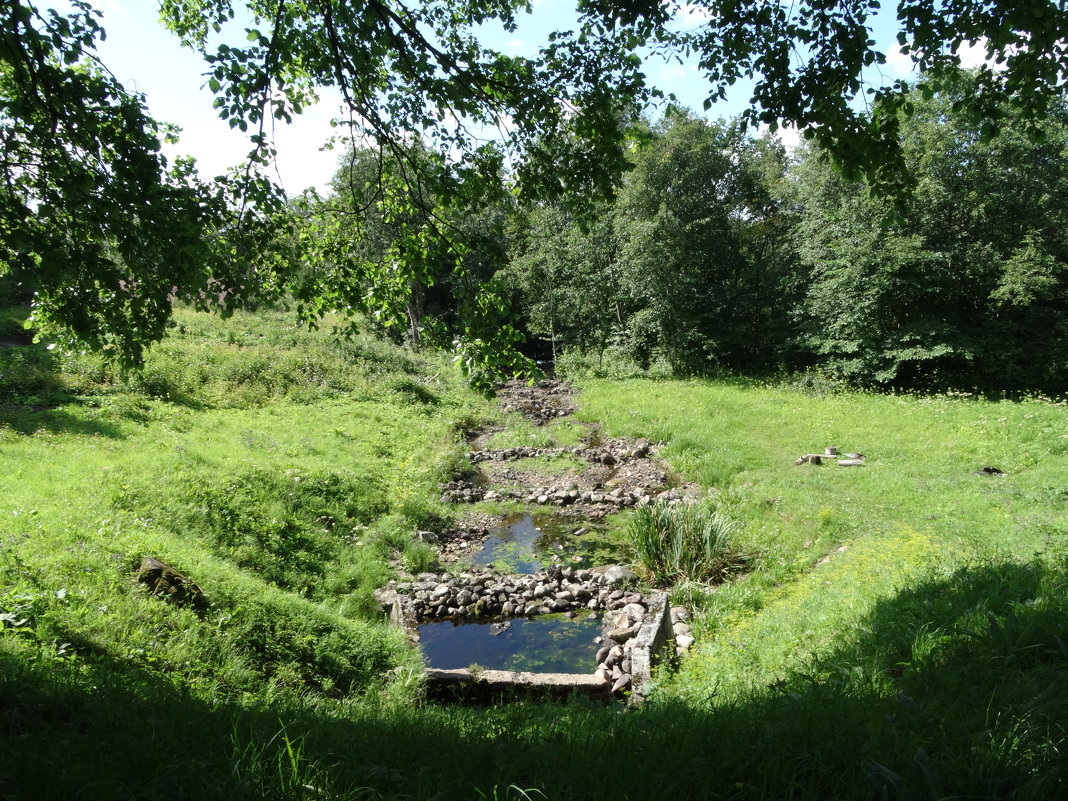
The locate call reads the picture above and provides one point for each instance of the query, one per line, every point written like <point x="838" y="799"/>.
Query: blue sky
<point x="147" y="58"/>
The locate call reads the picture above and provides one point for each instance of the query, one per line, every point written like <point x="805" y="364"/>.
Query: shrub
<point x="684" y="542"/>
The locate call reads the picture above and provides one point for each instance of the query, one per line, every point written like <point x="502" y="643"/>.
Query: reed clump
<point x="685" y="542"/>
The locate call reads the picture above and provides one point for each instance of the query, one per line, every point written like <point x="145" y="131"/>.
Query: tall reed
<point x="685" y="542"/>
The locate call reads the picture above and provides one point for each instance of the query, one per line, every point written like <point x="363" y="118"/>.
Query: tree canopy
<point x="107" y="232"/>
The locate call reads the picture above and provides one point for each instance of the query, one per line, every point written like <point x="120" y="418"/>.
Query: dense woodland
<point x="592" y="221"/>
<point x="724" y="252"/>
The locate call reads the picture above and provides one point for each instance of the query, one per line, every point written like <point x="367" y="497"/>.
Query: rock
<point x="622" y="683"/>
<point x="684" y="642"/>
<point x="682" y="630"/>
<point x="163" y="580"/>
<point x="635" y="612"/>
<point x="679" y="613"/>
<point x="618" y="575"/>
<point x="622" y="634"/>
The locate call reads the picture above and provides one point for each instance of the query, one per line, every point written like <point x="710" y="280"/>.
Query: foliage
<point x="689" y="264"/>
<point x="684" y="543"/>
<point x="105" y="231"/>
<point x="693" y="219"/>
<point x="94" y="221"/>
<point x="964" y="285"/>
<point x="565" y="268"/>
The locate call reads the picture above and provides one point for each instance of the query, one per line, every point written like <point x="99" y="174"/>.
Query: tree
<point x="92" y="218"/>
<point x="965" y="285"/>
<point x="386" y="243"/>
<point x="106" y="230"/>
<point x="697" y="220"/>
<point x="566" y="270"/>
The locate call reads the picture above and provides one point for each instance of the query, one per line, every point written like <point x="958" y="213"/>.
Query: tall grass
<point x="901" y="636"/>
<point x="685" y="542"/>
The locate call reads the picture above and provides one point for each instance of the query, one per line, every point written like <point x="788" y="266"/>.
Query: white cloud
<point x="691" y="15"/>
<point x="974" y="55"/>
<point x="519" y="47"/>
<point x="790" y="137"/>
<point x="900" y="64"/>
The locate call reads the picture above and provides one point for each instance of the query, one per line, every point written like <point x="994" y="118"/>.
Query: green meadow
<point x="895" y="631"/>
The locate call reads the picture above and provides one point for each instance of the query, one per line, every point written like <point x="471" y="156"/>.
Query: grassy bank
<point x="898" y="631"/>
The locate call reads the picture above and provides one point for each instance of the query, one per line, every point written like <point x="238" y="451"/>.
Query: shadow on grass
<point x="954" y="688"/>
<point x="29" y="420"/>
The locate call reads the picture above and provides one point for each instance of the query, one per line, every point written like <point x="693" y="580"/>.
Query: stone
<point x="622" y="683"/>
<point x="682" y="629"/>
<point x="679" y="613"/>
<point x="622" y="634"/>
<point x="163" y="580"/>
<point x="684" y="642"/>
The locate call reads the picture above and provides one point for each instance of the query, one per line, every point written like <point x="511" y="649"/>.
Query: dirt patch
<point x="606" y="475"/>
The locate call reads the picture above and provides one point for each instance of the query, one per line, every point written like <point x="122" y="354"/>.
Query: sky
<point x="148" y="59"/>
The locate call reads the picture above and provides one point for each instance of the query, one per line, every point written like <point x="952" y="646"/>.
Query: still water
<point x="527" y="544"/>
<point x="546" y="644"/>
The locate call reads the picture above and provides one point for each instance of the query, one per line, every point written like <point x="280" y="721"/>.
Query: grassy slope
<point x="920" y="661"/>
<point x="904" y="620"/>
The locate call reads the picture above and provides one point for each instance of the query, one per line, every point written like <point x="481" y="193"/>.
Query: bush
<point x="683" y="542"/>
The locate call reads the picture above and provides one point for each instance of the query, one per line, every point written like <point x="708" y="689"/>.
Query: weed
<point x="685" y="542"/>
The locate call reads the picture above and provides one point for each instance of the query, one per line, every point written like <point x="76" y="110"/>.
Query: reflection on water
<point x="548" y="644"/>
<point x="527" y="544"/>
<point x="520" y="546"/>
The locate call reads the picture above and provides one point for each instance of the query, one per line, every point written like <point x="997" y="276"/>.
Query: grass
<point x="898" y="633"/>
<point x="682" y="543"/>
